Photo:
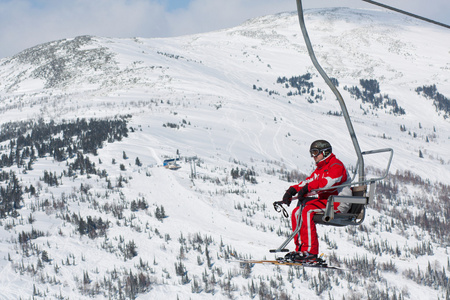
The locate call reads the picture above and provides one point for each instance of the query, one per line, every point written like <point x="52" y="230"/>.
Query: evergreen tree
<point x="138" y="162"/>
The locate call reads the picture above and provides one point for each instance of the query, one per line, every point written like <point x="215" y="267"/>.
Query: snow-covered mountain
<point x="240" y="108"/>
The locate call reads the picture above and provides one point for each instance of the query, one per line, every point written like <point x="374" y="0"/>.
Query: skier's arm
<point x="287" y="198"/>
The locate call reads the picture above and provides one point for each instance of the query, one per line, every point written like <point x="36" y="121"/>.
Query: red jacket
<point x="329" y="172"/>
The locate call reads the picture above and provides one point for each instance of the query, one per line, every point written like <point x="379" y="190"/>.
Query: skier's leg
<point x="308" y="232"/>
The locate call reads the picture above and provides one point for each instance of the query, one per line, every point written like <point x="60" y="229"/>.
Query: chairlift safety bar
<point x="386" y="172"/>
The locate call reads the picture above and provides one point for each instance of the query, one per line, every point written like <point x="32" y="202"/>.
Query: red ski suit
<point x="329" y="172"/>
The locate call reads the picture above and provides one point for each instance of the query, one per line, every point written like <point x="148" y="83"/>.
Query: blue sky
<point x="26" y="23"/>
<point x="176" y="4"/>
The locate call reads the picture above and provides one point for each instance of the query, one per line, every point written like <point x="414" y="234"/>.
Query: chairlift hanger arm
<point x="407" y="13"/>
<point x="333" y="88"/>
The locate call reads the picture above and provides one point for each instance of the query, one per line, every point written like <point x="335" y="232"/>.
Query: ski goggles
<point x="316" y="152"/>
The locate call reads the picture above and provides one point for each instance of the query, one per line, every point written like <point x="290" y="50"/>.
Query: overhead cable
<point x="407" y="13"/>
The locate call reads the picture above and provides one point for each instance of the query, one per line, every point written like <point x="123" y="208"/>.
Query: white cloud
<point x="207" y="15"/>
<point x="23" y="25"/>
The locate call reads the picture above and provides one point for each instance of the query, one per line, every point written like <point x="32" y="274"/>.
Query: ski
<point x="281" y="261"/>
<point x="289" y="263"/>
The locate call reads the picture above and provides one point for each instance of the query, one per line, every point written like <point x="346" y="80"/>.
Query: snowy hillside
<point x="89" y="211"/>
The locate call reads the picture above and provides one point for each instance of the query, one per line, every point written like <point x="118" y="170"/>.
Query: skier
<point x="329" y="172"/>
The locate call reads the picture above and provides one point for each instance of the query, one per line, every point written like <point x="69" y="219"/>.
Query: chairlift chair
<point x="362" y="195"/>
<point x="363" y="189"/>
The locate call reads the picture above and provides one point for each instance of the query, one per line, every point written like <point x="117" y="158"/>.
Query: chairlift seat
<point x="356" y="213"/>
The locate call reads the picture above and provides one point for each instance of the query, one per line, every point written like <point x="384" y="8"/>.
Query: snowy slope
<point x="205" y="84"/>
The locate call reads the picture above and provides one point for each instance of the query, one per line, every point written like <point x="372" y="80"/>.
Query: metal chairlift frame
<point x="361" y="196"/>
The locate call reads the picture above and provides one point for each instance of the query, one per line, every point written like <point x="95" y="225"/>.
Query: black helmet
<point x="320" y="146"/>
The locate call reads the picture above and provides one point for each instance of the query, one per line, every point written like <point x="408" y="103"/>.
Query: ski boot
<point x="304" y="258"/>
